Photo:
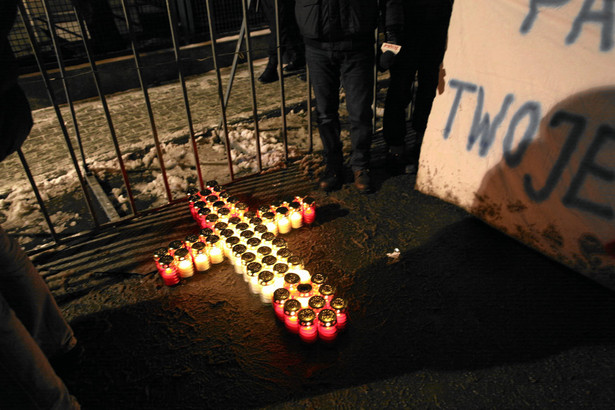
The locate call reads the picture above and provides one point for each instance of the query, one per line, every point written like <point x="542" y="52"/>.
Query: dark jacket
<point x="335" y="21"/>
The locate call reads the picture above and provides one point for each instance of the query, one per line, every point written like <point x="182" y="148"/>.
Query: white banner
<point x="523" y="133"/>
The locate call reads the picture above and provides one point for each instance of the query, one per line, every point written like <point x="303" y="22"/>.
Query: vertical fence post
<point x="281" y="76"/>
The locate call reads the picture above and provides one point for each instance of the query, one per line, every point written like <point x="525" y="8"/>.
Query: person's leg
<point x="325" y="76"/>
<point x="27" y="378"/>
<point x="28" y="295"/>
<point x="290" y="36"/>
<point x="270" y="74"/>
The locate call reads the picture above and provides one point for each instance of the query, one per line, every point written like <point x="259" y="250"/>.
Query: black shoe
<point x="332" y="179"/>
<point x="270" y="74"/>
<point x="362" y="181"/>
<point x="295" y="64"/>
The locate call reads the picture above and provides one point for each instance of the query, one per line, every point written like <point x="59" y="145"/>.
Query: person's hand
<point x="389" y="50"/>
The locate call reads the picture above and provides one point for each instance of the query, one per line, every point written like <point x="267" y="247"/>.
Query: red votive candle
<point x="191" y="201"/>
<point x="175" y="245"/>
<point x="327" y="329"/>
<point x="159" y="253"/>
<point x="210" y="221"/>
<point x="326" y="291"/>
<point x="318" y="279"/>
<point x="291" y="308"/>
<point x="280" y="296"/>
<point x="204" y="234"/>
<point x="201" y="216"/>
<point x="291" y="280"/>
<point x="309" y="210"/>
<point x="308" y="328"/>
<point x="190" y="240"/>
<point x="339" y="306"/>
<point x="168" y="270"/>
<point x="317" y="303"/>
<point x="304" y="293"/>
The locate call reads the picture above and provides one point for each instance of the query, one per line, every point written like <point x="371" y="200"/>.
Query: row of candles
<point x="303" y="302"/>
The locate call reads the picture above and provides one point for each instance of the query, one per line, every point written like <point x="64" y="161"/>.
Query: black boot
<point x="362" y="181"/>
<point x="297" y="62"/>
<point x="270" y="74"/>
<point x="332" y="179"/>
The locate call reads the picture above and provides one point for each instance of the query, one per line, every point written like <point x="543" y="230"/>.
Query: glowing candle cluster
<point x="249" y="240"/>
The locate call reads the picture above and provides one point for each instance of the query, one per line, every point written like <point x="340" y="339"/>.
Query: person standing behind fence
<point x="423" y="42"/>
<point x="339" y="37"/>
<point x="290" y="40"/>
<point x="32" y="328"/>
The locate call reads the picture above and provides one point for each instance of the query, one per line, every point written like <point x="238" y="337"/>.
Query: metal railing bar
<point x="58" y="112"/>
<point x="375" y="87"/>
<point x="246" y="25"/>
<point x="281" y="81"/>
<point x="105" y="106"/>
<point x="172" y="24"/>
<point x="148" y="104"/>
<point x="308" y="81"/>
<point x="212" y="35"/>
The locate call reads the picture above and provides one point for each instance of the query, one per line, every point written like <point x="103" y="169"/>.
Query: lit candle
<point x="267" y="239"/>
<point x="283" y="254"/>
<point x="216" y="255"/>
<point x="224" y="214"/>
<point x="326" y="291"/>
<point x="211" y="199"/>
<point x="198" y="205"/>
<point x="308" y="328"/>
<point x="282" y="220"/>
<point x="251" y="276"/>
<point x="309" y="210"/>
<point x="201" y="259"/>
<point x="262" y="210"/>
<point x="211" y="184"/>
<point x="191" y="201"/>
<point x="228" y="248"/>
<point x="280" y="296"/>
<point x="204" y="234"/>
<point x="192" y="191"/>
<point x="216" y="190"/>
<point x="291" y="280"/>
<point x="175" y="245"/>
<point x="231" y="201"/>
<point x="238" y="251"/>
<point x="339" y="306"/>
<point x="296" y="219"/>
<point x="268" y="262"/>
<point x="184" y="263"/>
<point x="263" y="251"/>
<point x="253" y="244"/>
<point x="304" y="293"/>
<point x="204" y="193"/>
<point x="245" y="235"/>
<point x="279" y="270"/>
<point x="295" y="264"/>
<point x="159" y="253"/>
<point x="210" y="221"/>
<point x="317" y="303"/>
<point x="278" y="243"/>
<point x="190" y="239"/>
<point x="249" y="215"/>
<point x="169" y="273"/>
<point x="269" y="221"/>
<point x="318" y="279"/>
<point x="220" y="226"/>
<point x="224" y="196"/>
<point x="260" y="230"/>
<point x="327" y="329"/>
<point x="240" y="209"/>
<point x="254" y="222"/>
<point x="225" y="234"/>
<point x="202" y="215"/>
<point x="233" y="221"/>
<point x="246" y="258"/>
<point x="291" y="308"/>
<point x="241" y="226"/>
<point x="266" y="280"/>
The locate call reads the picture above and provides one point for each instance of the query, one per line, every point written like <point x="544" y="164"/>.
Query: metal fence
<point x="58" y="31"/>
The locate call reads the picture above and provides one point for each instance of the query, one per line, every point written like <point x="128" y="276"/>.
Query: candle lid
<point x="204" y="211"/>
<point x="218" y="204"/>
<point x="306" y="317"/>
<point x="211" y="198"/>
<point x="194" y="199"/>
<point x="249" y="215"/>
<point x="303" y="288"/>
<point x="308" y="200"/>
<point x="232" y="241"/>
<point x="234" y="220"/>
<point x="281" y="294"/>
<point x="292" y="306"/>
<point x="284" y="253"/>
<point x="247" y="234"/>
<point x="294" y="206"/>
<point x="294" y="261"/>
<point x="211" y="183"/>
<point x="181" y="253"/>
<point x="288" y="199"/>
<point x="260" y="229"/>
<point x="269" y="260"/>
<point x="267" y="216"/>
<point x="239" y="249"/>
<point x="326" y="290"/>
<point x="265" y="278"/>
<point x="211" y="218"/>
<point x="282" y="210"/>
<point x="317" y="302"/>
<point x="276" y="203"/>
<point x="160" y="252"/>
<point x="253" y="268"/>
<point x="224" y="195"/>
<point x="241" y="206"/>
<point x="213" y="239"/>
<point x="327" y="317"/>
<point x="292" y="278"/>
<point x="198" y="246"/>
<point x="173" y="245"/>
<point x="205" y="192"/>
<point x="232" y="200"/>
<point x="216" y="189"/>
<point x="166" y="260"/>
<point x="264" y="209"/>
<point x="318" y="279"/>
<point x="279" y="242"/>
<point x="268" y="237"/>
<point x="191" y="238"/>
<point x="220" y="226"/>
<point x="242" y="226"/>
<point x="224" y="211"/>
<point x="253" y="242"/>
<point x="338" y="304"/>
<point x="248" y="257"/>
<point x="255" y="221"/>
<point x="226" y="233"/>
<point x="206" y="232"/>
<point x="280" y="268"/>
<point x="263" y="250"/>
<point x="192" y="191"/>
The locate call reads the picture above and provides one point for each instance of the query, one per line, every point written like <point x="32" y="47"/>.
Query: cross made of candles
<point x="250" y="241"/>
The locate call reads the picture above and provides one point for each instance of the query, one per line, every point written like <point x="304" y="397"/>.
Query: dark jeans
<point x="291" y="41"/>
<point x="355" y="69"/>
